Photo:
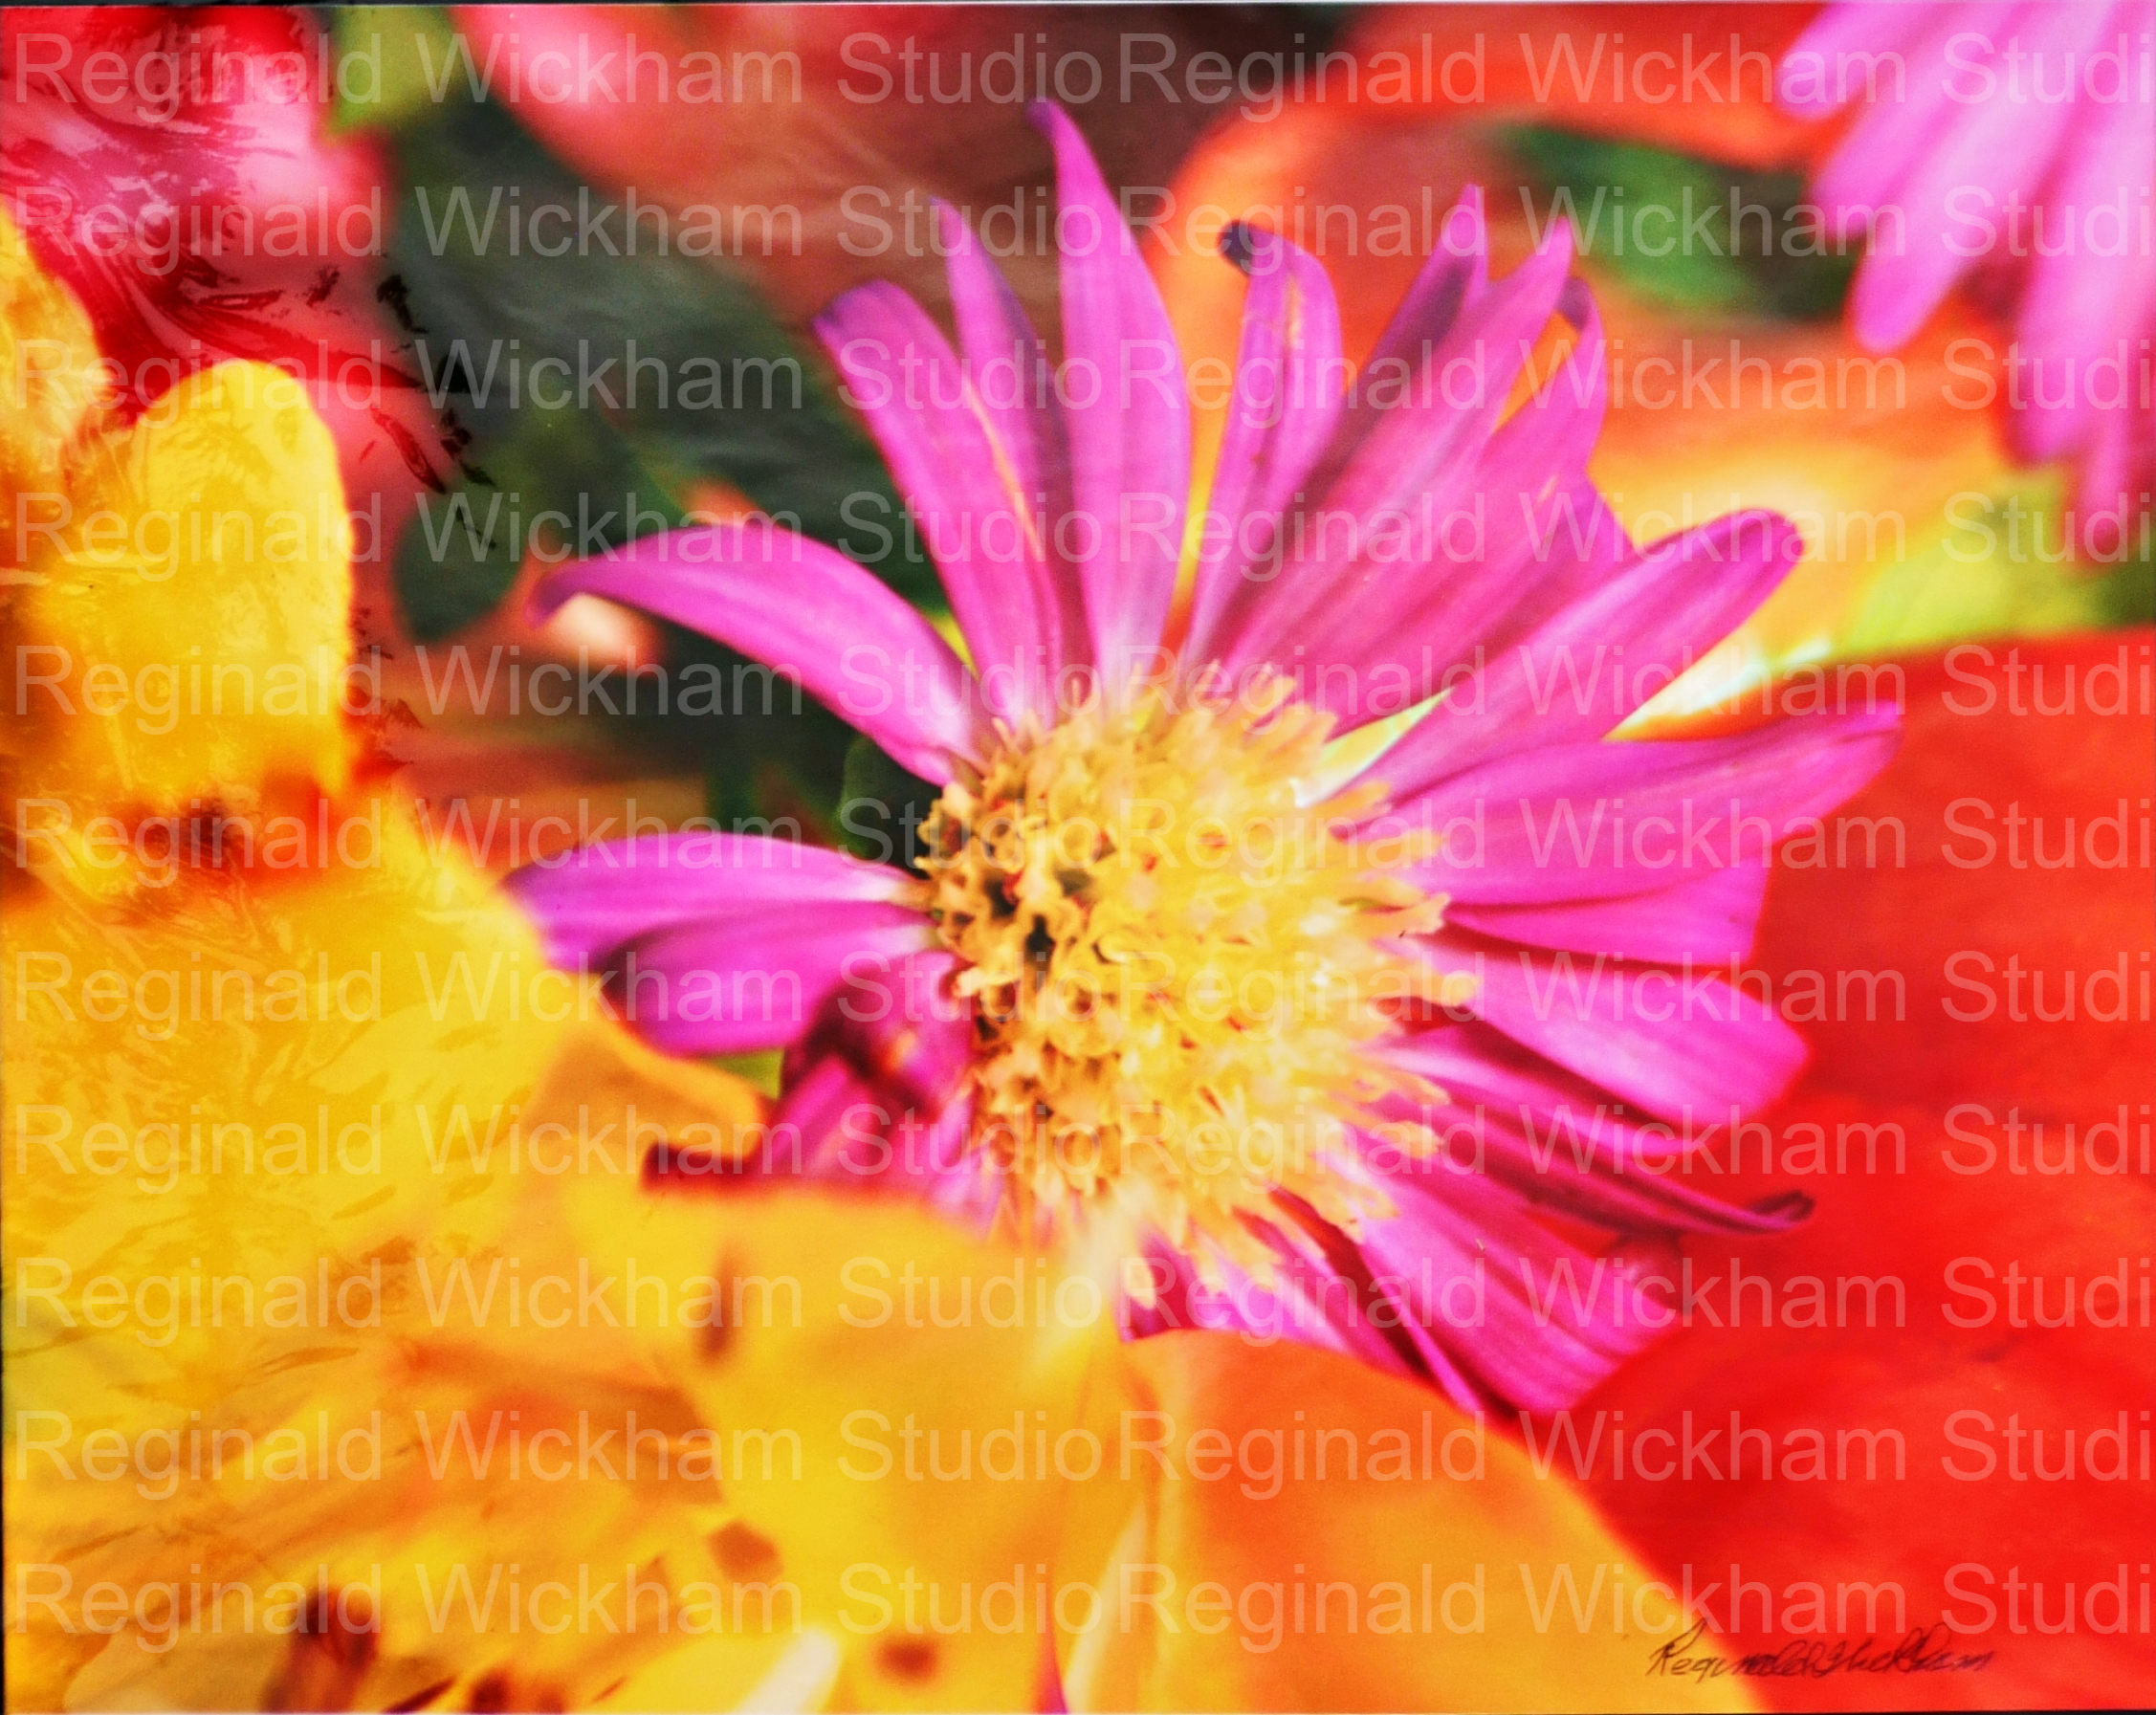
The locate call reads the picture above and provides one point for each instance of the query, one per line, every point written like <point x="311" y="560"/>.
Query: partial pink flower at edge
<point x="2020" y="149"/>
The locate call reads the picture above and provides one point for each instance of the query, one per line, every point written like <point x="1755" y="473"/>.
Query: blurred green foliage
<point x="672" y="365"/>
<point x="659" y="373"/>
<point x="1994" y="569"/>
<point x="882" y="807"/>
<point x="481" y="309"/>
<point x="1997" y="569"/>
<point x="1728" y="239"/>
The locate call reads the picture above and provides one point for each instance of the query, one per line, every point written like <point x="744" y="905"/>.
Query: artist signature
<point x="1925" y="1650"/>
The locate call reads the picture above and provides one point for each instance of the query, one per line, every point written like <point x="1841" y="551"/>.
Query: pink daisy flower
<point x="1192" y="972"/>
<point x="2017" y="141"/>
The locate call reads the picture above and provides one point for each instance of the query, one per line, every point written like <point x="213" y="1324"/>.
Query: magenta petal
<point x="828" y="1131"/>
<point x="1391" y="526"/>
<point x="1675" y="1043"/>
<point x="1591" y="821"/>
<point x="1935" y="149"/>
<point x="1441" y="423"/>
<point x="1566" y="679"/>
<point x="602" y="896"/>
<point x="1541" y="451"/>
<point x="1474" y="1062"/>
<point x="1320" y="1295"/>
<point x="1561" y="1116"/>
<point x="2120" y="461"/>
<point x="1447" y="286"/>
<point x="1125" y="412"/>
<point x="1829" y="42"/>
<point x="1003" y="357"/>
<point x="905" y="1028"/>
<point x="1561" y="1144"/>
<point x="757" y="981"/>
<point x="1534" y="1319"/>
<point x="2079" y="309"/>
<point x="1289" y="376"/>
<point x="875" y="1099"/>
<point x="1632" y="1201"/>
<point x="1709" y="919"/>
<point x="849" y="640"/>
<point x="849" y="1129"/>
<point x="1861" y="191"/>
<point x="1520" y="531"/>
<point x="2006" y="152"/>
<point x="1006" y="363"/>
<point x="1450" y="283"/>
<point x="960" y="485"/>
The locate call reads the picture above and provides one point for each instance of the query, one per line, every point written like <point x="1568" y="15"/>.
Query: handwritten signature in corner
<point x="1924" y="1650"/>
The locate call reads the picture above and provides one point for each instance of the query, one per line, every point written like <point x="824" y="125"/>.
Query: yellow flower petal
<point x="906" y="1365"/>
<point x="264" y="1074"/>
<point x="564" y="1308"/>
<point x="180" y="632"/>
<point x="47" y="351"/>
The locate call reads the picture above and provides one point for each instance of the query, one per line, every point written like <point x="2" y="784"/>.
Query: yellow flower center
<point x="1178" y="966"/>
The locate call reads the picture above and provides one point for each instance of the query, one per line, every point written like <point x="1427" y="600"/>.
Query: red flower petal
<point x="1963" y="1210"/>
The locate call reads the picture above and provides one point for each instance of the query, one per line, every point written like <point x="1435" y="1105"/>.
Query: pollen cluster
<point x="1177" y="967"/>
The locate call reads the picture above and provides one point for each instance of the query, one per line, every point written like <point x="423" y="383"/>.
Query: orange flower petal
<point x="1302" y="1533"/>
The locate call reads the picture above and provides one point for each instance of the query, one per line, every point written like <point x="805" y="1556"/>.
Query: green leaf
<point x="1996" y="568"/>
<point x="1720" y="255"/>
<point x="720" y="393"/>
<point x="882" y="807"/>
<point x="677" y="354"/>
<point x="761" y="1068"/>
<point x="385" y="55"/>
<point x="461" y="554"/>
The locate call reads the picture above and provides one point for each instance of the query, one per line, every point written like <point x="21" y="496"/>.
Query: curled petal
<point x="1286" y="401"/>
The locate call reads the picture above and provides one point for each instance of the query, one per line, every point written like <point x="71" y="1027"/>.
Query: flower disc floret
<point x="1177" y="964"/>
